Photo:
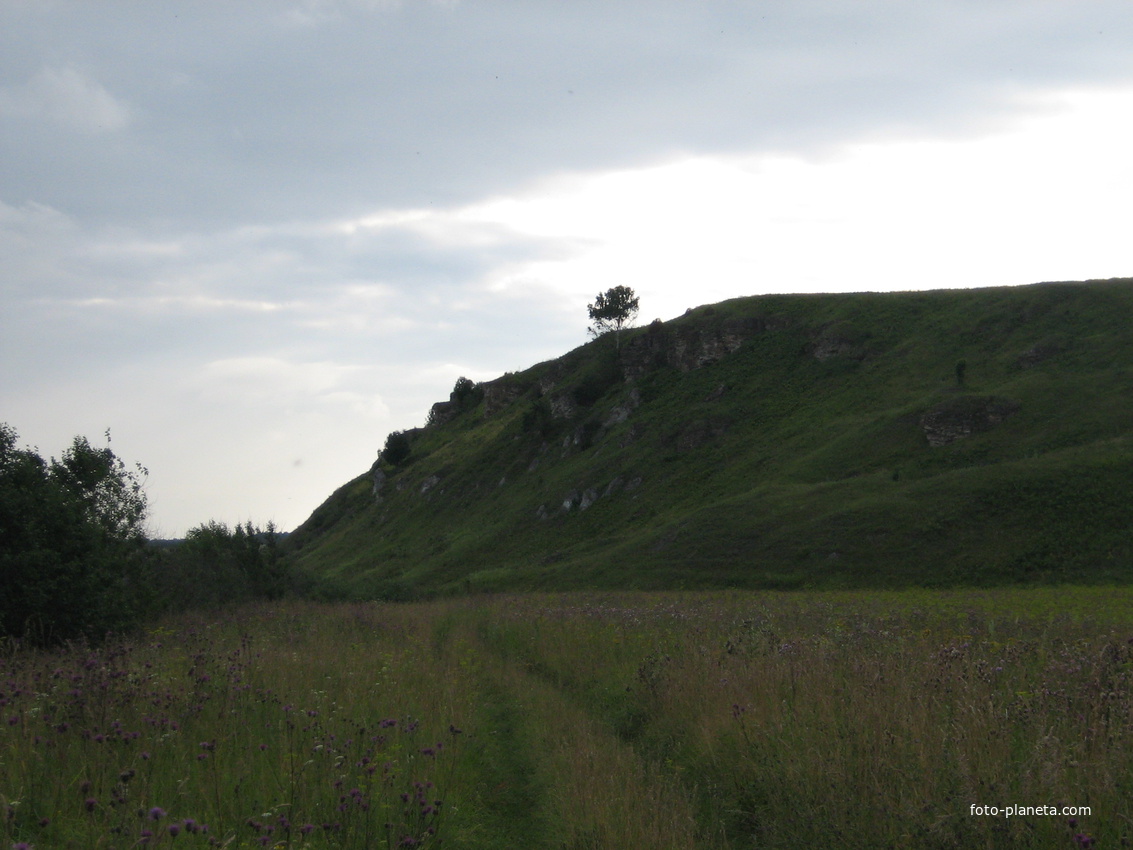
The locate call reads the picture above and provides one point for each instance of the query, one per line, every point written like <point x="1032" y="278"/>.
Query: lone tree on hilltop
<point x="613" y="310"/>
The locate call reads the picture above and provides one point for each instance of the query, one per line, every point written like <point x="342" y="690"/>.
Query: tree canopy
<point x="71" y="533"/>
<point x="613" y="310"/>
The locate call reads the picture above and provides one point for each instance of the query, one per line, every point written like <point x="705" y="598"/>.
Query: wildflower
<point x="90" y="804"/>
<point x="156" y="813"/>
<point x="174" y="830"/>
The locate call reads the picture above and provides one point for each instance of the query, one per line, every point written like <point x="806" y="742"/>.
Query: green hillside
<point x="922" y="438"/>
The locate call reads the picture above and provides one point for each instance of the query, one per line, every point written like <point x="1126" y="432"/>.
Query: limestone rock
<point x="963" y="416"/>
<point x="379" y="482"/>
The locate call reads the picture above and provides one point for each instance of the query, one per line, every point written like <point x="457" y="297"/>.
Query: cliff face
<point x="751" y="441"/>
<point x="688" y="347"/>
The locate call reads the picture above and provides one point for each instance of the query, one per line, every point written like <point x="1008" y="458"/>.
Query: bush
<point x="466" y="394"/>
<point x="396" y="450"/>
<point x="216" y="565"/>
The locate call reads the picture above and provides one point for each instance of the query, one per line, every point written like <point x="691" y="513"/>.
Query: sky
<point x="251" y="239"/>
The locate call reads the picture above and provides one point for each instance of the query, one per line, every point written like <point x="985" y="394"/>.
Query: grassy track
<point x="575" y="722"/>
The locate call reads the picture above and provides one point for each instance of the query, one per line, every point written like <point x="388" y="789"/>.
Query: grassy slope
<point x="772" y="468"/>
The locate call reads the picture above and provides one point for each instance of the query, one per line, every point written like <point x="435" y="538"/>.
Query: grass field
<point x="628" y="720"/>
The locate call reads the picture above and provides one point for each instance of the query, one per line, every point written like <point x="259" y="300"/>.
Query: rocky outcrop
<point x="620" y="412"/>
<point x="963" y="416"/>
<point x="1039" y="352"/>
<point x="442" y="412"/>
<point x="687" y="347"/>
<point x="498" y="394"/>
<point x="838" y="340"/>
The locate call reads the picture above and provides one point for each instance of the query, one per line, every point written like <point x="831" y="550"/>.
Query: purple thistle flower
<point x="156" y="813"/>
<point x="91" y="804"/>
<point x="174" y="830"/>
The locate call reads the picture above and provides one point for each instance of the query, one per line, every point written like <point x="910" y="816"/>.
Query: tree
<point x="613" y="310"/>
<point x="71" y="542"/>
<point x="466" y="393"/>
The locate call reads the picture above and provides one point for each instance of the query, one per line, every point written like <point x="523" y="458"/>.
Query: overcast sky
<point x="253" y="238"/>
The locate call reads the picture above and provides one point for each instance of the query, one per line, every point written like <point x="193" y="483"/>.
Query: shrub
<point x="396" y="450"/>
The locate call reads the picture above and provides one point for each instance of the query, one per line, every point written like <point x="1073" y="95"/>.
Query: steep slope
<point x="928" y="438"/>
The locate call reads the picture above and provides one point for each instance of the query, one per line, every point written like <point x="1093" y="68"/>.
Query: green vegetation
<point x="872" y="453"/>
<point x="644" y="720"/>
<point x="613" y="310"/>
<point x="71" y="541"/>
<point x="930" y="439"/>
<point x="75" y="562"/>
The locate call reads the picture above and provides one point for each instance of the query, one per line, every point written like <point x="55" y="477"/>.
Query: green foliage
<point x="466" y="394"/>
<point x="584" y="720"/>
<point x="216" y="566"/>
<point x="71" y="537"/>
<point x="755" y="462"/>
<point x="612" y="310"/>
<point x="597" y="377"/>
<point x="538" y="419"/>
<point x="397" y="448"/>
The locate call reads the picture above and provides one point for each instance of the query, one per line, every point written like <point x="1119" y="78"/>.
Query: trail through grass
<point x="575" y="722"/>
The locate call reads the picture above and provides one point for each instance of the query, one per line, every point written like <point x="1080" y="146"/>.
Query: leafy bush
<point x="396" y="450"/>
<point x="604" y="372"/>
<point x="71" y="542"/>
<point x="466" y="394"/>
<point x="216" y="565"/>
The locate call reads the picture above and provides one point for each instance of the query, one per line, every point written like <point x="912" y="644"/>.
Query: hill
<point x="861" y="440"/>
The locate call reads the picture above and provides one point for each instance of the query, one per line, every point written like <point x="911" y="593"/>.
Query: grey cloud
<point x="241" y="118"/>
<point x="67" y="99"/>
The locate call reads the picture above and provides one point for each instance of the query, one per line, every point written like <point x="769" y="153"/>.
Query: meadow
<point x="570" y="721"/>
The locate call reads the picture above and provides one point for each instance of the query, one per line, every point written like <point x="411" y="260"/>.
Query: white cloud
<point x="66" y="98"/>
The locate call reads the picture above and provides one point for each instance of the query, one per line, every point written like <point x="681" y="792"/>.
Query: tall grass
<point x="585" y="721"/>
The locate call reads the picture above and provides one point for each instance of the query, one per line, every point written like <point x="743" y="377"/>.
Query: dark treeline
<point x="75" y="561"/>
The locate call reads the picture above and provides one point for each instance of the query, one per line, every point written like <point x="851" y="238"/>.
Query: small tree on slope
<point x="613" y="310"/>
